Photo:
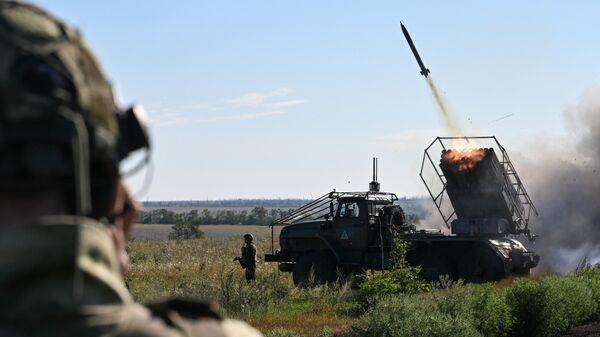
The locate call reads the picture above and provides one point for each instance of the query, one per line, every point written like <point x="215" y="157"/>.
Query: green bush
<point x="400" y="316"/>
<point x="185" y="231"/>
<point x="549" y="306"/>
<point x="484" y="306"/>
<point x="401" y="279"/>
<point x="492" y="314"/>
<point x="591" y="277"/>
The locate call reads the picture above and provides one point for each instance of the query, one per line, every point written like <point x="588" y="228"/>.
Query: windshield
<point x="349" y="209"/>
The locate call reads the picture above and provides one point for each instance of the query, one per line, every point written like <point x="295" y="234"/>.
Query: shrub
<point x="549" y="306"/>
<point x="400" y="279"/>
<point x="185" y="231"/>
<point x="483" y="305"/>
<point x="591" y="277"/>
<point x="400" y="316"/>
<point x="492" y="314"/>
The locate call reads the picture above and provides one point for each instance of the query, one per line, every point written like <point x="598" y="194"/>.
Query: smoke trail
<point x="448" y="117"/>
<point x="565" y="185"/>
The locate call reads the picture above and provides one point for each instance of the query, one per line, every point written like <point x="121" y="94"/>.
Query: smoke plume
<point x="563" y="177"/>
<point x="448" y="117"/>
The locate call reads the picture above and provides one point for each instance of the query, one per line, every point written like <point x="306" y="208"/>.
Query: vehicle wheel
<point x="326" y="268"/>
<point x="480" y="264"/>
<point x="434" y="265"/>
<point x="301" y="270"/>
<point x="322" y="266"/>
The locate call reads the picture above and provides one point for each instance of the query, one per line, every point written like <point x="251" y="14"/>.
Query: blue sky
<point x="292" y="99"/>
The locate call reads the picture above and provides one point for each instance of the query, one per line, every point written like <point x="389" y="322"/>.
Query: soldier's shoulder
<point x="181" y="317"/>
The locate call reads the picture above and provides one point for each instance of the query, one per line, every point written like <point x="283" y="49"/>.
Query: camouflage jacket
<point x="61" y="278"/>
<point x="249" y="256"/>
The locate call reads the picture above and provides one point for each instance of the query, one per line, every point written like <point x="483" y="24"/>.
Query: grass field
<point x="203" y="268"/>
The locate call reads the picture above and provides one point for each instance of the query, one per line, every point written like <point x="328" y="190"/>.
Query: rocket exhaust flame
<point x="465" y="159"/>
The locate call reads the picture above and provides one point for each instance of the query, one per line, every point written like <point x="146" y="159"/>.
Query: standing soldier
<point x="65" y="214"/>
<point x="248" y="258"/>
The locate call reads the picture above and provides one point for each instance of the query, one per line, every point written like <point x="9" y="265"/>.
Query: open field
<point x="203" y="268"/>
<point x="161" y="232"/>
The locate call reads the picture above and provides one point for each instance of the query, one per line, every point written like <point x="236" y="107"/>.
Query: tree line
<point x="226" y="203"/>
<point x="257" y="216"/>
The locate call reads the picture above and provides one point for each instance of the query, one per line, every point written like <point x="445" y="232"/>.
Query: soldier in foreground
<point x="65" y="214"/>
<point x="248" y="258"/>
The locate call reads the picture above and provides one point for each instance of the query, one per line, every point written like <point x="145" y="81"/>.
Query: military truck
<point x="478" y="194"/>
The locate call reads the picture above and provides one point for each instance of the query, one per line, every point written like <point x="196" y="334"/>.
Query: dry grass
<point x="204" y="268"/>
<point x="305" y="323"/>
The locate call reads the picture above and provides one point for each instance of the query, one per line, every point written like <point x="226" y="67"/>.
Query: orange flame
<point x="466" y="159"/>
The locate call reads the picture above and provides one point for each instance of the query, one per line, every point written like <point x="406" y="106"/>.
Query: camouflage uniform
<point x="60" y="275"/>
<point x="61" y="278"/>
<point x="248" y="258"/>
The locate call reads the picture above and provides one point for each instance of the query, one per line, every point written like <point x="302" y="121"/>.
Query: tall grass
<point x="204" y="269"/>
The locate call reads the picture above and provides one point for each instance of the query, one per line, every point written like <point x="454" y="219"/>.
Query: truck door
<point x="349" y="229"/>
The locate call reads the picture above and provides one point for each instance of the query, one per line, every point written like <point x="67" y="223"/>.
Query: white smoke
<point x="563" y="177"/>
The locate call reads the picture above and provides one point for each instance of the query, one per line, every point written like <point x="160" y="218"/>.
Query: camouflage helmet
<point x="248" y="237"/>
<point x="58" y="116"/>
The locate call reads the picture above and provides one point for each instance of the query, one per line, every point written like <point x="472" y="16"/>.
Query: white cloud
<point x="243" y="117"/>
<point x="285" y="104"/>
<point x="244" y="107"/>
<point x="180" y="119"/>
<point x="255" y="99"/>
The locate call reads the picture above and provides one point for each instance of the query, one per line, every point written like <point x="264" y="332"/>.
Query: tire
<point x="480" y="264"/>
<point x="301" y="270"/>
<point x="436" y="264"/>
<point x="322" y="265"/>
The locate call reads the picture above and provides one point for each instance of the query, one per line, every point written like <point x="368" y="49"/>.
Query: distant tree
<point x="185" y="231"/>
<point x="207" y="218"/>
<point x="258" y="216"/>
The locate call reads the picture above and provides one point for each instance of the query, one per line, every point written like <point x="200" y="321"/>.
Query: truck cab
<point x="339" y="233"/>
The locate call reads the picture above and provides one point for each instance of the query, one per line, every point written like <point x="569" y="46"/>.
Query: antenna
<point x="374" y="169"/>
<point x="374" y="185"/>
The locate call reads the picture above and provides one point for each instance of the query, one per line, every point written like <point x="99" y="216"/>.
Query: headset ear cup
<point x="133" y="131"/>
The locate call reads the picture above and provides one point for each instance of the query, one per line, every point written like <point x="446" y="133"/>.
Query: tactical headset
<point x="59" y="124"/>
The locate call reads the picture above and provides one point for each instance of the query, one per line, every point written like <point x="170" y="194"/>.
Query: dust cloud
<point x="563" y="177"/>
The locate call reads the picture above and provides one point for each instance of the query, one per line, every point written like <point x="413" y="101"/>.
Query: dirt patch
<point x="587" y="330"/>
